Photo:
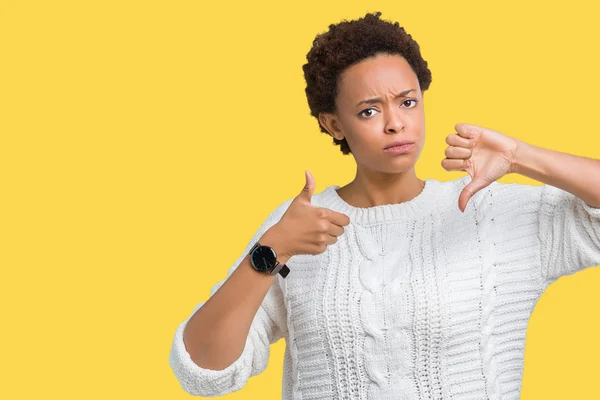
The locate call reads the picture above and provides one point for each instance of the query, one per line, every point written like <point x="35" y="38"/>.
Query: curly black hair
<point x="347" y="43"/>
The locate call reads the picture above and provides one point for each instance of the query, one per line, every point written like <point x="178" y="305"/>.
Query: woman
<point x="386" y="288"/>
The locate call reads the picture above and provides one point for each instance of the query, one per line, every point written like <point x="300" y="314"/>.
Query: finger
<point x="331" y="240"/>
<point x="466" y="130"/>
<point x="457" y="140"/>
<point x="335" y="230"/>
<point x="337" y="218"/>
<point x="454" y="164"/>
<point x="469" y="191"/>
<point x="458" y="152"/>
<point x="309" y="187"/>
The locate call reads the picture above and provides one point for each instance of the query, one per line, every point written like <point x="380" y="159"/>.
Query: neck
<point x="369" y="190"/>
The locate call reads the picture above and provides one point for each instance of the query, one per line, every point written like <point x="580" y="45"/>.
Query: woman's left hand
<point x="485" y="154"/>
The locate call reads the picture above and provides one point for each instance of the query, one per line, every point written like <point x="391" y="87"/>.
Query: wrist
<point x="274" y="240"/>
<point x="522" y="154"/>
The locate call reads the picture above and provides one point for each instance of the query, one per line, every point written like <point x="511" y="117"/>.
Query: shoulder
<point x="506" y="191"/>
<point x="497" y="197"/>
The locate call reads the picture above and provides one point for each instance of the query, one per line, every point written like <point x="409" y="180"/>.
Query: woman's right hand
<point x="306" y="229"/>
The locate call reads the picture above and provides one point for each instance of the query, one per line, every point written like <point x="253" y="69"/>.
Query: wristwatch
<point x="264" y="259"/>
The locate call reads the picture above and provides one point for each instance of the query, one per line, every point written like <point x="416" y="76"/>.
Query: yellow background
<point x="144" y="142"/>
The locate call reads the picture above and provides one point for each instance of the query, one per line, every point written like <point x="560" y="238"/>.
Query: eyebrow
<point x="378" y="99"/>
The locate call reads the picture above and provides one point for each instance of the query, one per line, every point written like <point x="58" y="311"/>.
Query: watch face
<point x="263" y="258"/>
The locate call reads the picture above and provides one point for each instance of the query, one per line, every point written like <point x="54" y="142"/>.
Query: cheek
<point x="366" y="131"/>
<point x="362" y="140"/>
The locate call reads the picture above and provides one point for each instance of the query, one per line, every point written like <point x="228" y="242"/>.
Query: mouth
<point x="406" y="147"/>
<point x="398" y="144"/>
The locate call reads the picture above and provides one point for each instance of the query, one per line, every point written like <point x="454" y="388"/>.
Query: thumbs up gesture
<point x="485" y="154"/>
<point x="306" y="229"/>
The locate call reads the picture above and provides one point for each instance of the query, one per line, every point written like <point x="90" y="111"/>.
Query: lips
<point x="398" y="143"/>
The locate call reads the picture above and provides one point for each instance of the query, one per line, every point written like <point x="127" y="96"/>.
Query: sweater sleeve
<point x="268" y="326"/>
<point x="569" y="231"/>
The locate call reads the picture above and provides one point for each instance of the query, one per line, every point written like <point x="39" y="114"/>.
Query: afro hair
<point x="347" y="43"/>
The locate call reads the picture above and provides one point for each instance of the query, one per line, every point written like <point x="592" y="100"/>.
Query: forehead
<point x="377" y="76"/>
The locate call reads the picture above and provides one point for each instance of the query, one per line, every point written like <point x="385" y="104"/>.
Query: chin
<point x="395" y="170"/>
<point x="398" y="165"/>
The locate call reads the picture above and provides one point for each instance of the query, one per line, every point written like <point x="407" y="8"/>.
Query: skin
<point x="381" y="178"/>
<point x="486" y="155"/>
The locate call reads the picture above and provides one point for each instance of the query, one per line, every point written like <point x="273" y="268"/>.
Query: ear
<point x="330" y="123"/>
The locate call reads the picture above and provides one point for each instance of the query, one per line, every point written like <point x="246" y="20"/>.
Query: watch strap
<point x="282" y="269"/>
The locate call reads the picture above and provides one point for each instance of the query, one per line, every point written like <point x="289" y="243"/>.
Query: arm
<point x="577" y="175"/>
<point x="227" y="338"/>
<point x="569" y="214"/>
<point x="216" y="333"/>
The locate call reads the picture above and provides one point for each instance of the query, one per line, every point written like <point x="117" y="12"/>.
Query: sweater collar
<point x="413" y="208"/>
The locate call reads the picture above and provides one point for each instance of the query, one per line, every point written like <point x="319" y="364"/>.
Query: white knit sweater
<point x="415" y="300"/>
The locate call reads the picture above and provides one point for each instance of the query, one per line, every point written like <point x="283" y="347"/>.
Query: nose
<point x="394" y="122"/>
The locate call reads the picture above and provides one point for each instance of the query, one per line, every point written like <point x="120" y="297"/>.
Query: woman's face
<point x="379" y="101"/>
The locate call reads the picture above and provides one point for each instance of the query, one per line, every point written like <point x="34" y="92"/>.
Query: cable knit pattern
<point x="416" y="300"/>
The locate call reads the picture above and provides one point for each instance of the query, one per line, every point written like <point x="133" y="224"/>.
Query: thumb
<point x="469" y="191"/>
<point x="309" y="187"/>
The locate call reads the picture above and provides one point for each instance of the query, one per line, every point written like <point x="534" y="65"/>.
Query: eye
<point x="413" y="100"/>
<point x="370" y="109"/>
